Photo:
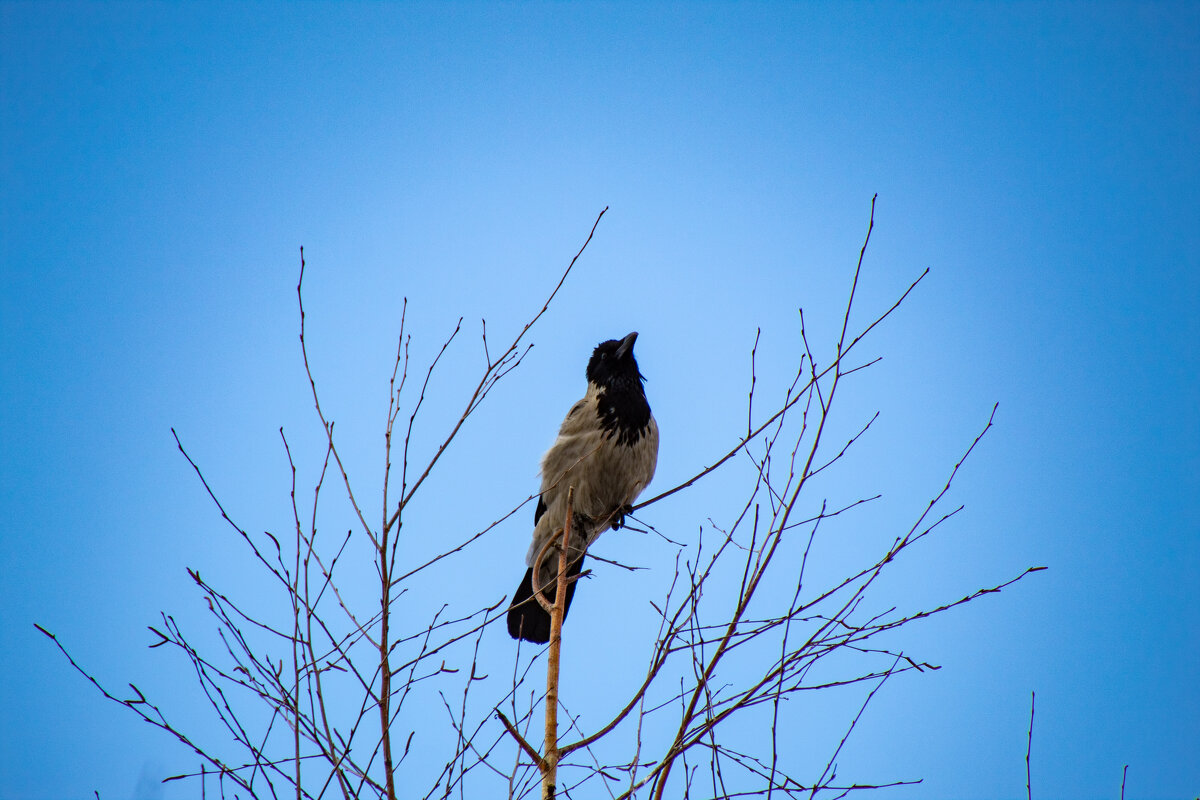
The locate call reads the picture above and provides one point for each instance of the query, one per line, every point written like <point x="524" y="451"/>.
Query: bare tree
<point x="326" y="717"/>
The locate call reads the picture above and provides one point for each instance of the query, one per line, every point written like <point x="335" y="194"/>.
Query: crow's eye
<point x="603" y="356"/>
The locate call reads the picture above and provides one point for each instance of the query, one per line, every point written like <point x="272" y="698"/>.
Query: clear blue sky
<point x="161" y="164"/>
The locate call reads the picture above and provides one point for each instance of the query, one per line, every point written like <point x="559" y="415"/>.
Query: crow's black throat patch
<point x="624" y="413"/>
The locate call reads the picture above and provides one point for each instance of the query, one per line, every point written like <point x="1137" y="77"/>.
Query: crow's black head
<point x="621" y="404"/>
<point x="613" y="366"/>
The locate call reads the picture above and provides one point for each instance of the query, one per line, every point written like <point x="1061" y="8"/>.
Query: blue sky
<point x="162" y="164"/>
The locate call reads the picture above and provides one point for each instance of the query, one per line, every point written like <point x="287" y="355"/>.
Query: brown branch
<point x="831" y="764"/>
<point x="225" y="516"/>
<point x="385" y="671"/>
<point x="327" y="425"/>
<point x="857" y="271"/>
<point x="316" y="698"/>
<point x="394" y="400"/>
<point x="529" y="751"/>
<point x="417" y="409"/>
<point x="136" y="705"/>
<point x="297" y="646"/>
<point x="550" y="773"/>
<point x="1029" y="748"/>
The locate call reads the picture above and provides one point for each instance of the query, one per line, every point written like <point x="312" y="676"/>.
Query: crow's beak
<point x="626" y="345"/>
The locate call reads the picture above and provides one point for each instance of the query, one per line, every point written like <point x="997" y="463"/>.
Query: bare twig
<point x="729" y="640"/>
<point x="487" y="379"/>
<point x="1029" y="748"/>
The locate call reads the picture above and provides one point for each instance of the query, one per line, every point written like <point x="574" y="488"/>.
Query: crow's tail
<point x="526" y="618"/>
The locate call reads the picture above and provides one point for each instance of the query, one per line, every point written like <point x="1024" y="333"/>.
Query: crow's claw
<point x="619" y="516"/>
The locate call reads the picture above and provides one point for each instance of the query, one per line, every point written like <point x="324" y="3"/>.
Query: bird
<point x="607" y="449"/>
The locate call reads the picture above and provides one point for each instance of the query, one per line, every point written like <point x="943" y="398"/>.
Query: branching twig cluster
<point x="324" y="701"/>
<point x="715" y="660"/>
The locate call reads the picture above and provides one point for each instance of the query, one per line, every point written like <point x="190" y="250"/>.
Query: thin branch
<point x="480" y="389"/>
<point x="1029" y="748"/>
<point x="528" y="748"/>
<point x="812" y="383"/>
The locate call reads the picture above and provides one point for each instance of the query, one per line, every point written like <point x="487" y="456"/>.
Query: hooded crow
<point x="607" y="449"/>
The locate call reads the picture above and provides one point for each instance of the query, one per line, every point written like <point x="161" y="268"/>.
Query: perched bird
<point x="607" y="449"/>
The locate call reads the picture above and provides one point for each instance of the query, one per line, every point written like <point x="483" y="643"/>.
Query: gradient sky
<point x="161" y="165"/>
